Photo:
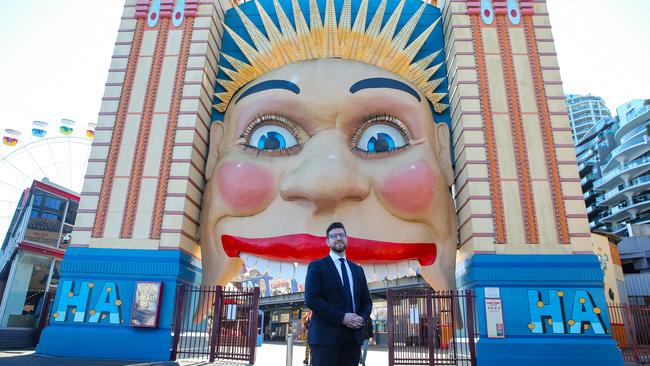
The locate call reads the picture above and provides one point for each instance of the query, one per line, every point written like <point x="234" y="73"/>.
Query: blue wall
<point x="568" y="286"/>
<point x="85" y="276"/>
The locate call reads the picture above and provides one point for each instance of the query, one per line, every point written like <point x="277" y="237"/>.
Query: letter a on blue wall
<point x="109" y="304"/>
<point x="586" y="314"/>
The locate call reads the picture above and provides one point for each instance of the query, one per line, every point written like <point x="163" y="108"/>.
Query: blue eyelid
<point x="154" y="14"/>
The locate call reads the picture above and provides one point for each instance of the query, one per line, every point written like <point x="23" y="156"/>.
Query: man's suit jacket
<point x="325" y="297"/>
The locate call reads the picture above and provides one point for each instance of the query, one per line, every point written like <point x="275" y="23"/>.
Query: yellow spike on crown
<point x="323" y="38"/>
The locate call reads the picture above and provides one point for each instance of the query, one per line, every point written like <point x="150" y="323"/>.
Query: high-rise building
<point x="592" y="149"/>
<point x="614" y="164"/>
<point x="584" y="112"/>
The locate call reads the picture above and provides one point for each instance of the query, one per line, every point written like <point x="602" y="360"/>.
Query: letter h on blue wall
<point x="76" y="303"/>
<point x="551" y="313"/>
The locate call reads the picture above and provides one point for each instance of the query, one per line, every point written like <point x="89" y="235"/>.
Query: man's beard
<point x="339" y="247"/>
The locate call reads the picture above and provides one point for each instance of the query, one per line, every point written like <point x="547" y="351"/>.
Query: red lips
<point x="304" y="248"/>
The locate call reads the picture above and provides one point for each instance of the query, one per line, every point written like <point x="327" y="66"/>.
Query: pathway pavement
<point x="268" y="354"/>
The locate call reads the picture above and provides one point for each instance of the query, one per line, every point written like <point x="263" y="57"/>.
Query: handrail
<point x="636" y="130"/>
<point x="625" y="204"/>
<point x="621" y="225"/>
<point x="630" y="165"/>
<point x="622" y="187"/>
<point x="634" y="115"/>
<point x="585" y="147"/>
<point x="633" y="141"/>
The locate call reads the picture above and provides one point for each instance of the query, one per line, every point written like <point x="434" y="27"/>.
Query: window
<point x="51" y="220"/>
<point x="45" y="219"/>
<point x="26" y="290"/>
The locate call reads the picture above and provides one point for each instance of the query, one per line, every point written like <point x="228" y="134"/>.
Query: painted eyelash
<point x="270" y="117"/>
<point x="359" y="151"/>
<point x="386" y="119"/>
<point x="288" y="151"/>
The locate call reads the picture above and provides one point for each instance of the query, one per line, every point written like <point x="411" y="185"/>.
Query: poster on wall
<point x="494" y="318"/>
<point x="146" y="304"/>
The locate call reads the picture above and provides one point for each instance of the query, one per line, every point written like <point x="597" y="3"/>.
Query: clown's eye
<point x="272" y="138"/>
<point x="381" y="134"/>
<point x="272" y="133"/>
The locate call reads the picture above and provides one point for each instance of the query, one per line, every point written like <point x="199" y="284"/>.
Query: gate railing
<point x="46" y="313"/>
<point x="631" y="330"/>
<point x="427" y="327"/>
<point x="210" y="323"/>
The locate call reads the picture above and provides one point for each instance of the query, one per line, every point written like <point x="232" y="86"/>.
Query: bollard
<point x="289" y="349"/>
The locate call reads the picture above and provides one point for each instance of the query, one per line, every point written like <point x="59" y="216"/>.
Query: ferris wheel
<point x="59" y="154"/>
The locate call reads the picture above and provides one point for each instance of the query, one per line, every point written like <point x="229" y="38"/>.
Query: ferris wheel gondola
<point x="61" y="157"/>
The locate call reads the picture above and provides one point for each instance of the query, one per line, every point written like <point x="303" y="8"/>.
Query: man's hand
<point x="352" y="320"/>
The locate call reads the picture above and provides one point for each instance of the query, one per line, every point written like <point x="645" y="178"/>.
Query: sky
<point x="55" y="54"/>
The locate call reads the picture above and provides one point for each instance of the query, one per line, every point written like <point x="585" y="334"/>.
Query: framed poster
<point x="146" y="304"/>
<point x="494" y="318"/>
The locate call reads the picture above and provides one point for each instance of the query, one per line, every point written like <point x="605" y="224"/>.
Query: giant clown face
<point x="329" y="140"/>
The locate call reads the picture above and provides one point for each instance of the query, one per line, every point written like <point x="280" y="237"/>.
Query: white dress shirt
<point x="337" y="263"/>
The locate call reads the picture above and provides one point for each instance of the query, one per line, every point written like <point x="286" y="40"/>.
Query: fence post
<point x="391" y="328"/>
<point x="632" y="328"/>
<point x="216" y="323"/>
<point x="469" y="302"/>
<point x="178" y="319"/>
<point x="430" y="328"/>
<point x="252" y="342"/>
<point x="44" y="319"/>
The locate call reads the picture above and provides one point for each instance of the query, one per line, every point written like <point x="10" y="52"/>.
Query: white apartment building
<point x="584" y="112"/>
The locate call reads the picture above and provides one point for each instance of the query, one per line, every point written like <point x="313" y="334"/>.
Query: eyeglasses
<point x="336" y="236"/>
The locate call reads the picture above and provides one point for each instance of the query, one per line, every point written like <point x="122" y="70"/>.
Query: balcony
<point x="640" y="220"/>
<point x="619" y="229"/>
<point x="627" y="151"/>
<point x="624" y="190"/>
<point x="641" y="116"/>
<point x="586" y="167"/>
<point x="642" y="129"/>
<point x="592" y="177"/>
<point x="628" y="208"/>
<point x="600" y="125"/>
<point x="583" y="148"/>
<point x="591" y="209"/>
<point x="621" y="174"/>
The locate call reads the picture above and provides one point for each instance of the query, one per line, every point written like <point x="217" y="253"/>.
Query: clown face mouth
<point x="288" y="256"/>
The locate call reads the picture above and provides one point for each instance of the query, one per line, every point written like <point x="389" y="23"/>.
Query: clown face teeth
<point x="301" y="272"/>
<point x="381" y="271"/>
<point x="369" y="270"/>
<point x="250" y="260"/>
<point x="402" y="269"/>
<point x="274" y="269"/>
<point x="413" y="267"/>
<point x="287" y="270"/>
<point x="391" y="269"/>
<point x="262" y="265"/>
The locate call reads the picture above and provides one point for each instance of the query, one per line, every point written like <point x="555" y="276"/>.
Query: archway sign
<point x="237" y="134"/>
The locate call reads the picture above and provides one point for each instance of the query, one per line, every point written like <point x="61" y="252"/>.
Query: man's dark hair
<point x="334" y="225"/>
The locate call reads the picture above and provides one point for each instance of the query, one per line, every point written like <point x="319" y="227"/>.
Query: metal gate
<point x="631" y="330"/>
<point x="46" y="313"/>
<point x="231" y="334"/>
<point x="427" y="327"/>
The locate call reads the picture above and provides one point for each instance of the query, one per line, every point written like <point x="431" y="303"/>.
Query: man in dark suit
<point x="337" y="293"/>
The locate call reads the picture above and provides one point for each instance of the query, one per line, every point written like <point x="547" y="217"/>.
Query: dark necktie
<point x="346" y="286"/>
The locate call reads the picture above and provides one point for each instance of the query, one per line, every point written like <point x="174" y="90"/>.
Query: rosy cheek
<point x="409" y="188"/>
<point x="245" y="187"/>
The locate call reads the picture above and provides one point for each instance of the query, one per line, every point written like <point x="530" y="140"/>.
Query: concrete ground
<point x="268" y="354"/>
